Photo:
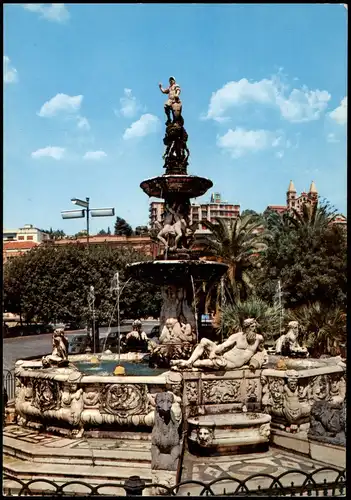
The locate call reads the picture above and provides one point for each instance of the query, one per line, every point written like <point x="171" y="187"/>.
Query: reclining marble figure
<point x="241" y="348"/>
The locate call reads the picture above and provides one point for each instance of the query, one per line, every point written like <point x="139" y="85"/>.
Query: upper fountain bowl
<point x="182" y="184"/>
<point x="164" y="272"/>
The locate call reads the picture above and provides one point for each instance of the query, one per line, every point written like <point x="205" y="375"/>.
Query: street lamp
<point x="79" y="214"/>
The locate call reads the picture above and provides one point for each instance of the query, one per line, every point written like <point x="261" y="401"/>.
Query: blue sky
<point x="263" y="92"/>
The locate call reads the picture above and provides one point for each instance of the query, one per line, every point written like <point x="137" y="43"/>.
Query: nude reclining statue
<point x="241" y="348"/>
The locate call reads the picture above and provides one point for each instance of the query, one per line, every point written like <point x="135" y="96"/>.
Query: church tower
<point x="291" y="196"/>
<point x="313" y="193"/>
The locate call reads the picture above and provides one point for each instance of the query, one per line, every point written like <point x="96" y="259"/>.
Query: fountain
<point x="178" y="267"/>
<point x="228" y="396"/>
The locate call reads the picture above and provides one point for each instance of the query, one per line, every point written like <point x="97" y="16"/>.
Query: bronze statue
<point x="173" y="92"/>
<point x="176" y="152"/>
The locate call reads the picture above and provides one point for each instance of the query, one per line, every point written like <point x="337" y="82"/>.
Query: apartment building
<point x="215" y="208"/>
<point x="26" y="233"/>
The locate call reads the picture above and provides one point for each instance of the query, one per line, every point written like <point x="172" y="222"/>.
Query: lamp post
<point x="86" y="212"/>
<point x="79" y="214"/>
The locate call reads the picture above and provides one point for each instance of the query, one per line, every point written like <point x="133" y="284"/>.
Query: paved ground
<point x="116" y="459"/>
<point x="38" y="345"/>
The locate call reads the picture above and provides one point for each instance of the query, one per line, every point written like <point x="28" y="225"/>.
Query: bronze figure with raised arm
<point x="173" y="103"/>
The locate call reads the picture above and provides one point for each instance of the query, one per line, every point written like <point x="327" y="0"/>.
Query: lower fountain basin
<point x="164" y="272"/>
<point x="107" y="367"/>
<point x="228" y="432"/>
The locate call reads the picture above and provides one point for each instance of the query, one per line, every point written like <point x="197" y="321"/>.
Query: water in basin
<point x="106" y="367"/>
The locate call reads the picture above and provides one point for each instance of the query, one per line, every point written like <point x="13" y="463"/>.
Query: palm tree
<point x="313" y="217"/>
<point x="239" y="244"/>
<point x="267" y="316"/>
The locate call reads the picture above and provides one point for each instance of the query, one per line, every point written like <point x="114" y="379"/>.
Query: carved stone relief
<point x="191" y="391"/>
<point x="91" y="396"/>
<point x="204" y="436"/>
<point x="123" y="400"/>
<point x="337" y="388"/>
<point x="221" y="391"/>
<point x="251" y="391"/>
<point x="46" y="394"/>
<point x="265" y="430"/>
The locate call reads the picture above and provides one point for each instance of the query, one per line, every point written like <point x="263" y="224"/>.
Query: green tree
<point x="322" y="328"/>
<point x="308" y="255"/>
<point x="122" y="228"/>
<point x="102" y="232"/>
<point x="267" y="316"/>
<point x="81" y="234"/>
<point x="238" y="244"/>
<point x="57" y="234"/>
<point x="141" y="231"/>
<point x="51" y="283"/>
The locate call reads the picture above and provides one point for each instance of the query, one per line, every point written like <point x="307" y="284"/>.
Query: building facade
<point x="215" y="208"/>
<point x="143" y="244"/>
<point x="26" y="233"/>
<point x="296" y="202"/>
<point x="12" y="249"/>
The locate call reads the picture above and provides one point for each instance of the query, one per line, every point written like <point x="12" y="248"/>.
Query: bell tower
<point x="313" y="193"/>
<point x="291" y="196"/>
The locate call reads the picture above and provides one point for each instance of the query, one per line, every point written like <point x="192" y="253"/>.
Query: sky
<point x="263" y="88"/>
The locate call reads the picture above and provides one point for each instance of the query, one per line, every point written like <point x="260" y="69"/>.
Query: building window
<point x="21" y="238"/>
<point x="29" y="237"/>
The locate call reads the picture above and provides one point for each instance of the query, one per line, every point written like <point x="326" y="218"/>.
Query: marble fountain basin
<point x="227" y="432"/>
<point x="71" y="399"/>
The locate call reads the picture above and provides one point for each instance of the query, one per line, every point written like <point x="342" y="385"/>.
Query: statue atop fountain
<point x="241" y="348"/>
<point x="176" y="153"/>
<point x="59" y="355"/>
<point x="176" y="268"/>
<point x="137" y="338"/>
<point x="287" y="345"/>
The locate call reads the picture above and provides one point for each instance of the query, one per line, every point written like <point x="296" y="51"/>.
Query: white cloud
<point x="239" y="142"/>
<point x="298" y="106"/>
<point x="10" y="73"/>
<point x="146" y="124"/>
<point x="129" y="104"/>
<point x="94" y="155"/>
<point x="56" y="12"/>
<point x="51" y="151"/>
<point x="279" y="154"/>
<point x="61" y="103"/>
<point x="339" y="114"/>
<point x="303" y="105"/>
<point x="83" y="123"/>
<point x="331" y="138"/>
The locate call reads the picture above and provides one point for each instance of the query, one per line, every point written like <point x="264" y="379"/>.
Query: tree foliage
<point x="267" y="316"/>
<point x="322" y="328"/>
<point x="238" y="244"/>
<point x="51" y="283"/>
<point x="122" y="228"/>
<point x="55" y="234"/>
<point x="141" y="231"/>
<point x="308" y="255"/>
